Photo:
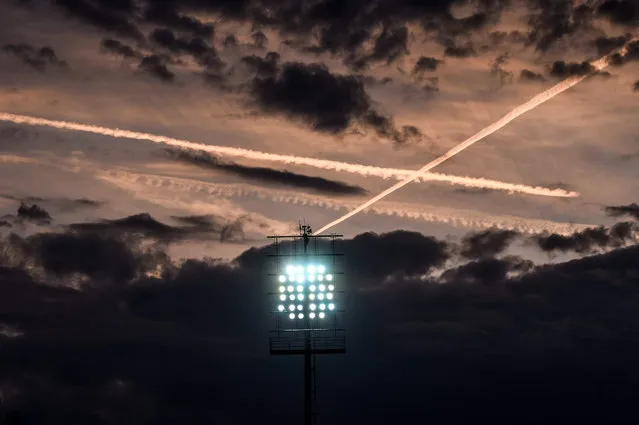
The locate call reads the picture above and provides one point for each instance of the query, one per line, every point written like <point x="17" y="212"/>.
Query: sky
<point x="147" y="148"/>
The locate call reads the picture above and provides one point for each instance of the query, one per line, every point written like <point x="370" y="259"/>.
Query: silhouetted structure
<point x="306" y="314"/>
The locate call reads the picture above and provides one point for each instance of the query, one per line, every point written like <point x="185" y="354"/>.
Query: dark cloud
<point x="327" y="102"/>
<point x="552" y="20"/>
<point x="37" y="58"/>
<point x="606" y="45"/>
<point x="156" y="65"/>
<point x="487" y="243"/>
<point x="119" y="48"/>
<point x="528" y="75"/>
<point x="460" y="51"/>
<point x="553" y="344"/>
<point x="621" y="12"/>
<point x="116" y="17"/>
<point x="636" y="86"/>
<point x="425" y="64"/>
<point x="631" y="55"/>
<point x="205" y="54"/>
<point x="488" y="271"/>
<point x="165" y="13"/>
<point x="498" y="71"/>
<point x="266" y="175"/>
<point x="631" y="210"/>
<point x="260" y="39"/>
<point x="589" y="239"/>
<point x="33" y="213"/>
<point x="561" y="69"/>
<point x="61" y="204"/>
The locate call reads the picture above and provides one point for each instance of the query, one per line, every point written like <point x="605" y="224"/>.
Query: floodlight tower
<point x="306" y="314"/>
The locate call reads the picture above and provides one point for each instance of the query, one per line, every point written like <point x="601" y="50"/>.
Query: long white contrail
<point x="518" y="111"/>
<point x="365" y="170"/>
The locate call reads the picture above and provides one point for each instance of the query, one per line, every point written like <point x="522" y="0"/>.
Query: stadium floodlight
<point x="311" y="288"/>
<point x="282" y="278"/>
<point x="322" y="315"/>
<point x="300" y="297"/>
<point x="291" y="297"/>
<point x="290" y="288"/>
<point x="329" y="296"/>
<point x="300" y="316"/>
<point x="311" y="297"/>
<point x="329" y="277"/>
<point x="282" y="297"/>
<point x="322" y="288"/>
<point x="299" y="269"/>
<point x="300" y="278"/>
<point x="280" y="307"/>
<point x="331" y="306"/>
<point x="291" y="316"/>
<point x="320" y="277"/>
<point x="290" y="269"/>
<point x="291" y="278"/>
<point x="331" y="287"/>
<point x="291" y="307"/>
<point x="322" y="306"/>
<point x="300" y="307"/>
<point x="282" y="288"/>
<point x="321" y="269"/>
<point x="311" y="278"/>
<point x="311" y="315"/>
<point x="311" y="269"/>
<point x="300" y="288"/>
<point x="312" y="306"/>
<point x="320" y="296"/>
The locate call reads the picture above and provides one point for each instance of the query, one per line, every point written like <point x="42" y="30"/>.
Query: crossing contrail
<point x="597" y="65"/>
<point x="364" y="170"/>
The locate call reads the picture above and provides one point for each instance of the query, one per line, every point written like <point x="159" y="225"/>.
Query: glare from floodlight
<point x="321" y="269"/>
<point x="320" y="277"/>
<point x="300" y="288"/>
<point x="280" y="307"/>
<point x="282" y="278"/>
<point x="300" y="307"/>
<point x="331" y="306"/>
<point x="300" y="316"/>
<point x="291" y="316"/>
<point x="322" y="315"/>
<point x="320" y="296"/>
<point x="291" y="297"/>
<point x="300" y="278"/>
<point x="290" y="269"/>
<point x="290" y="288"/>
<point x="282" y="288"/>
<point x="299" y="269"/>
<point x="322" y="306"/>
<point x="329" y="296"/>
<point x="329" y="277"/>
<point x="311" y="269"/>
<point x="331" y="287"/>
<point x="300" y="297"/>
<point x="282" y="297"/>
<point x="312" y="306"/>
<point x="311" y="278"/>
<point x="291" y="307"/>
<point x="311" y="288"/>
<point x="322" y="287"/>
<point x="311" y="315"/>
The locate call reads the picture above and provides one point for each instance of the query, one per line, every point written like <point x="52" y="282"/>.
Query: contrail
<point x="518" y="111"/>
<point x="364" y="170"/>
<point x="133" y="181"/>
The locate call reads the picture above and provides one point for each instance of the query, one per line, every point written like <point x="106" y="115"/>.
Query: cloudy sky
<point x="148" y="147"/>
